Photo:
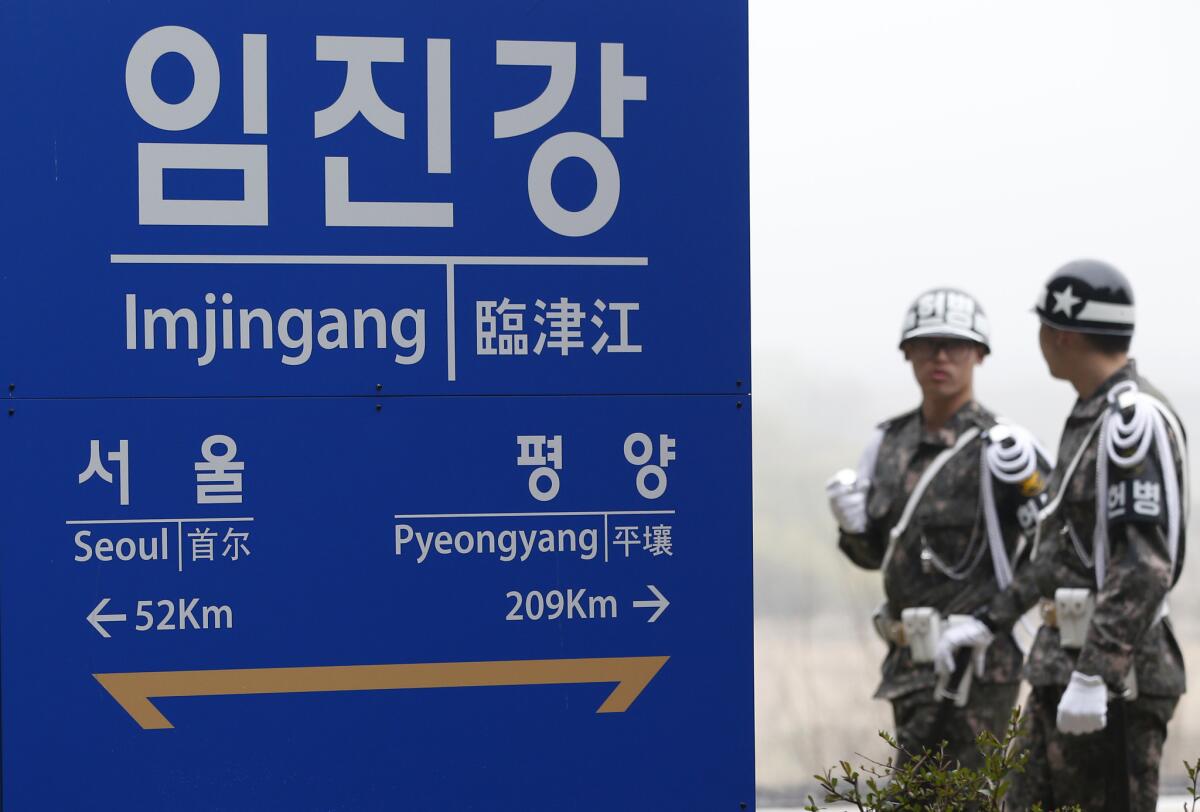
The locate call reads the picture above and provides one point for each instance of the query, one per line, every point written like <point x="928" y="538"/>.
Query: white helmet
<point x="946" y="313"/>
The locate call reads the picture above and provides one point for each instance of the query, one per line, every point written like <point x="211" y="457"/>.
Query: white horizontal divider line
<point x="362" y="259"/>
<point x="536" y="513"/>
<point x="162" y="521"/>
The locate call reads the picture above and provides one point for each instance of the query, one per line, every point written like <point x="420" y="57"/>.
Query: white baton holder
<point x="922" y="630"/>
<point x="962" y="691"/>
<point x="1073" y="608"/>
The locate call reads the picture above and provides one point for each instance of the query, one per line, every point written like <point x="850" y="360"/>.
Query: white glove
<point x="1084" y="705"/>
<point x="848" y="500"/>
<point x="968" y="632"/>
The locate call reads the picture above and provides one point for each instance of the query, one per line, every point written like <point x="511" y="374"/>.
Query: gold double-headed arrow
<point x="133" y="691"/>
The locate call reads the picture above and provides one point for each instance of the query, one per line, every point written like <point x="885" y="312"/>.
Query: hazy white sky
<point x="901" y="145"/>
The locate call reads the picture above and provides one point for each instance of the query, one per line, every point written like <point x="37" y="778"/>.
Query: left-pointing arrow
<point x="95" y="618"/>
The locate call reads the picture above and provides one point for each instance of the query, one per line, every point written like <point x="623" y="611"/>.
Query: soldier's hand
<point x="1084" y="705"/>
<point x="848" y="500"/>
<point x="967" y="632"/>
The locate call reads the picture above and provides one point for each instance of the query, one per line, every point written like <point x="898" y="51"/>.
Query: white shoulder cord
<point x="1010" y="464"/>
<point x="919" y="489"/>
<point x="1048" y="511"/>
<point x="1147" y="423"/>
<point x="1176" y="429"/>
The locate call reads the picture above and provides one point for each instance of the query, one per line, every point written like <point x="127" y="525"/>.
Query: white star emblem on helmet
<point x="1064" y="301"/>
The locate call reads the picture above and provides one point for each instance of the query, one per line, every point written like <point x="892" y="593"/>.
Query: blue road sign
<point x="281" y="603"/>
<point x="378" y="422"/>
<point x="319" y="198"/>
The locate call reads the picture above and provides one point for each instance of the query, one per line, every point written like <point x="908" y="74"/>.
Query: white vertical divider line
<point x="438" y="105"/>
<point x="179" y="535"/>
<point x="451" y="372"/>
<point x="254" y="84"/>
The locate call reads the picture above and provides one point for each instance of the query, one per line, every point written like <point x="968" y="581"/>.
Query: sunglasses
<point x="926" y="349"/>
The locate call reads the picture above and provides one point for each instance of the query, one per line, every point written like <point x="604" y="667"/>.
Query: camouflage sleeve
<point x="1138" y="574"/>
<point x="864" y="549"/>
<point x="1022" y="501"/>
<point x="1008" y="605"/>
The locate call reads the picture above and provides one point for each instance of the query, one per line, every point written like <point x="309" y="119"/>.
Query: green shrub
<point x="1193" y="773"/>
<point x="928" y="780"/>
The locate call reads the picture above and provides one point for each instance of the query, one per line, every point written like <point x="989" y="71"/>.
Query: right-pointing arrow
<point x="95" y="618"/>
<point x="660" y="603"/>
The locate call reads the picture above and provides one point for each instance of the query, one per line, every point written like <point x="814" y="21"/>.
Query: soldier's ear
<point x="1069" y="340"/>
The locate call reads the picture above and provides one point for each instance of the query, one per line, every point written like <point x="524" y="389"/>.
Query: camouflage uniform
<point x="1072" y="769"/>
<point x="949" y="522"/>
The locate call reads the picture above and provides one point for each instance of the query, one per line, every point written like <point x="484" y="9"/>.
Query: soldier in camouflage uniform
<point x="939" y="504"/>
<point x="1104" y="687"/>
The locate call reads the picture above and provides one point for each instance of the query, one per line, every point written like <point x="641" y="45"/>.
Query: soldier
<point x="1105" y="668"/>
<point x="939" y="503"/>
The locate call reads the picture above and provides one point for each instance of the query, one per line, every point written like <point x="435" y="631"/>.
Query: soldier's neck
<point x="1092" y="370"/>
<point x="936" y="412"/>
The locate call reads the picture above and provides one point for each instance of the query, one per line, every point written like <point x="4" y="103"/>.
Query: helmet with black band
<point x="1087" y="296"/>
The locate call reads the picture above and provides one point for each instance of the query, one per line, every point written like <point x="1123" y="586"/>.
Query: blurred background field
<point x="898" y="146"/>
